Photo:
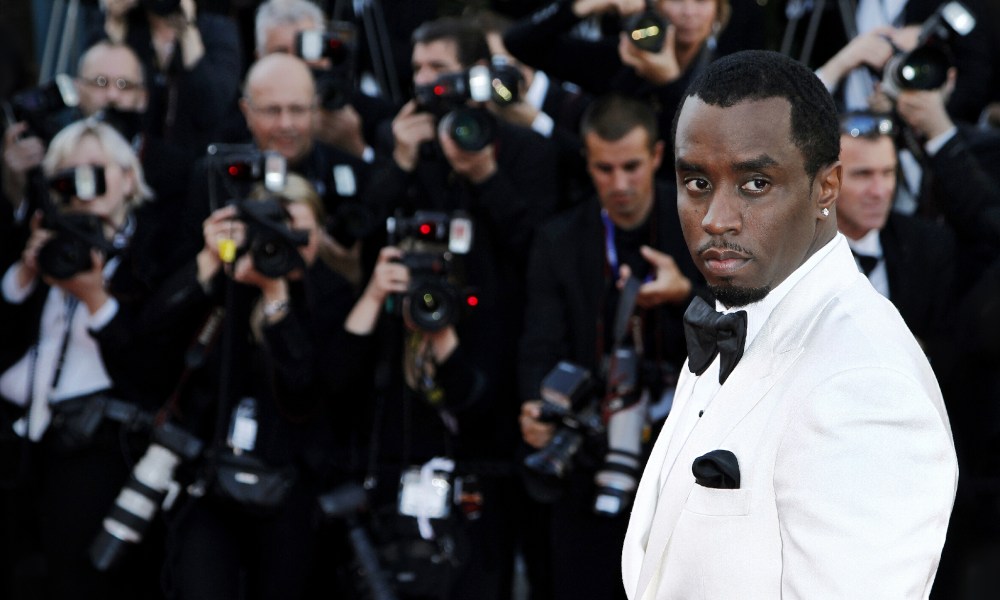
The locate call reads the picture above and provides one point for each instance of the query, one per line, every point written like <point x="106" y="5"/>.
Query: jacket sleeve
<point x="864" y="482"/>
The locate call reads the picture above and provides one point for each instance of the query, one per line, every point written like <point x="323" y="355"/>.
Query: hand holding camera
<point x="656" y="66"/>
<point x="924" y="110"/>
<point x="667" y="283"/>
<point x="222" y="235"/>
<point x="535" y="432"/>
<point x="20" y="154"/>
<point x="411" y="128"/>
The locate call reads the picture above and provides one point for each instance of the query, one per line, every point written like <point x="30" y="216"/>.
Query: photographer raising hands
<point x="661" y="46"/>
<point x="263" y="395"/>
<point x="67" y="301"/>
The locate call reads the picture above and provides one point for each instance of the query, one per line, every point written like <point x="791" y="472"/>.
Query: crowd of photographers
<point x="377" y="327"/>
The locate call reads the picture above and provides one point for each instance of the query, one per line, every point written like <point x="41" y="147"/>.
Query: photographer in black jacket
<point x="579" y="263"/>
<point x="267" y="395"/>
<point x="68" y="298"/>
<point x="505" y="188"/>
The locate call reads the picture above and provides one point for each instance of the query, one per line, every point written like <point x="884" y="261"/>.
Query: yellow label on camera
<point x="227" y="250"/>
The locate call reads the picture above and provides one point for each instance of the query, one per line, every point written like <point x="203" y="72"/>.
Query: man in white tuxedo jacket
<point x="814" y="459"/>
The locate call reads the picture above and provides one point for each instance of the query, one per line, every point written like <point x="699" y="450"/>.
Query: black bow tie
<point x="867" y="263"/>
<point x="710" y="333"/>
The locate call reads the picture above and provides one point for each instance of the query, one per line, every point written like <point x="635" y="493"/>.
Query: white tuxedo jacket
<point x="846" y="458"/>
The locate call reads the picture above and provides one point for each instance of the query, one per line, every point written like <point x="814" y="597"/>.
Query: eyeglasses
<point x="102" y="81"/>
<point x="273" y="111"/>
<point x="866" y="124"/>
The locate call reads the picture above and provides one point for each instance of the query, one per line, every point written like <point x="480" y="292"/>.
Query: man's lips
<point x="723" y="262"/>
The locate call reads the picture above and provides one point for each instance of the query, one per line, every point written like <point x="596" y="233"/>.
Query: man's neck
<point x="632" y="222"/>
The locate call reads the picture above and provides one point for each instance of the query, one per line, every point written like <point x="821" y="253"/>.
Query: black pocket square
<point x="718" y="469"/>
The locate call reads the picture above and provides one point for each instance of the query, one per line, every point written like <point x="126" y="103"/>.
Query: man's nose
<point x="883" y="186"/>
<point x="620" y="179"/>
<point x="722" y="215"/>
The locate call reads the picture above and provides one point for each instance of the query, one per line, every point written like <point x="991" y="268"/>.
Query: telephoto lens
<point x="472" y="128"/>
<point x="140" y="498"/>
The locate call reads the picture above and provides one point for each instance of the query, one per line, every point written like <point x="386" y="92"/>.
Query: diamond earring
<point x="825" y="212"/>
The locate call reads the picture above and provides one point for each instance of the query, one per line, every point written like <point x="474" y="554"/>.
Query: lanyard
<point x="610" y="251"/>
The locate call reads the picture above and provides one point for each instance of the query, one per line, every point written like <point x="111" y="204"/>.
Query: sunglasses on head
<point x="866" y="124"/>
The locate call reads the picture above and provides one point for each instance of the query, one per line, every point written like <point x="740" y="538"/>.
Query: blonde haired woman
<point x="84" y="268"/>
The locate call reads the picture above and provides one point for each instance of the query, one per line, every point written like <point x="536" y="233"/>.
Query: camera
<point x="336" y="48"/>
<point x="647" y="30"/>
<point x="162" y="8"/>
<point x="430" y="240"/>
<point x="76" y="233"/>
<point x="150" y="486"/>
<point x="566" y="402"/>
<point x="472" y="128"/>
<point x="926" y="66"/>
<point x="271" y="243"/>
<point x="569" y="401"/>
<point x="237" y="168"/>
<point x="39" y="107"/>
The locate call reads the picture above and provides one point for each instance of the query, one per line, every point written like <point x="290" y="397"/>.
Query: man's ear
<point x="827" y="183"/>
<point x="657" y="154"/>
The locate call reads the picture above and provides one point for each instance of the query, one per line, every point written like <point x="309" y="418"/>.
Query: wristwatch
<point x="275" y="308"/>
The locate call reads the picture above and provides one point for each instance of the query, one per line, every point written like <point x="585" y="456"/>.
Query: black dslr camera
<point x="39" y="107"/>
<point x="647" y="30"/>
<point x="926" y="66"/>
<point x="337" y="47"/>
<point x="472" y="128"/>
<point x="76" y="233"/>
<point x="272" y="244"/>
<point x="571" y="401"/>
<point x="430" y="241"/>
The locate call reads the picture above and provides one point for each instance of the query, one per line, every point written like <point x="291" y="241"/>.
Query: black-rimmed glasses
<point x="102" y="81"/>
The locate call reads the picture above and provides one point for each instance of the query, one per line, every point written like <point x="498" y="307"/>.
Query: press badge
<point x="343" y="180"/>
<point x="425" y="492"/>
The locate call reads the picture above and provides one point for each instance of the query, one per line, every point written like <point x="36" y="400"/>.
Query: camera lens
<point x="472" y="129"/>
<point x="63" y="257"/>
<point x="647" y="31"/>
<point x="430" y="307"/>
<point x="272" y="256"/>
<point x="925" y="68"/>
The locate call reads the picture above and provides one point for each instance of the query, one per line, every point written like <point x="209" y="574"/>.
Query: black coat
<point x="567" y="279"/>
<point x="920" y="264"/>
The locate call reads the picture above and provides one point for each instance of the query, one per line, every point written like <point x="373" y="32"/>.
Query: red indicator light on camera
<point x="472" y="300"/>
<point x="425" y="229"/>
<point x="439" y="90"/>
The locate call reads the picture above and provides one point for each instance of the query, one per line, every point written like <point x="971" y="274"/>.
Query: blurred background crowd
<point x="383" y="298"/>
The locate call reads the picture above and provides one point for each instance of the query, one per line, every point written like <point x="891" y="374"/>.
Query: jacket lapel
<point x="765" y="361"/>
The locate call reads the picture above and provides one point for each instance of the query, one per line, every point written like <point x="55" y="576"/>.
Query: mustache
<point x="724" y="245"/>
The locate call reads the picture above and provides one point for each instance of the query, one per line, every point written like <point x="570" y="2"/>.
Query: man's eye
<point x="696" y="185"/>
<point x="755" y="185"/>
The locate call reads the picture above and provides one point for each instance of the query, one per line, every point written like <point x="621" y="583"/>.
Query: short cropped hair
<point x="469" y="39"/>
<point x="762" y="74"/>
<point x="284" y="12"/>
<point x="613" y="116"/>
<point x="119" y="151"/>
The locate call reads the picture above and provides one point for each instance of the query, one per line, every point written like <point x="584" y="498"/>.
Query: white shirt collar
<point x="758" y="312"/>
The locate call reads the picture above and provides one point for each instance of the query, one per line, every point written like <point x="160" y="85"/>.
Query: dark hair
<point x="761" y="74"/>
<point x="469" y="39"/>
<point x="613" y="116"/>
